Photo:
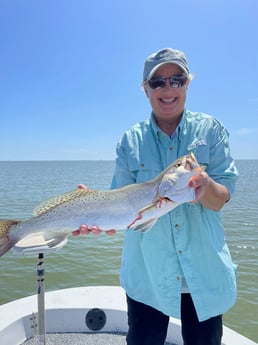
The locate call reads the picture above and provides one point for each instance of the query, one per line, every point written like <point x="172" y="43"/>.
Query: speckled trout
<point x="136" y="206"/>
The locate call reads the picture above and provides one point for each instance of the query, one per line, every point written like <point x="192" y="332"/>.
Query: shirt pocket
<point x="144" y="171"/>
<point x="202" y="154"/>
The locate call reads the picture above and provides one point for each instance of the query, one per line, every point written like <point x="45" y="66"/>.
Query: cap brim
<point x="165" y="63"/>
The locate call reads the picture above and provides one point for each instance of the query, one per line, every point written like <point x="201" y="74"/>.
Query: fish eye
<point x="178" y="164"/>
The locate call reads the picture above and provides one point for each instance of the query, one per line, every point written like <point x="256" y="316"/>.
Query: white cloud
<point x="245" y="131"/>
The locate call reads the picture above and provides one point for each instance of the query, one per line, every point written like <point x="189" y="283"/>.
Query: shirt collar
<point x="158" y="132"/>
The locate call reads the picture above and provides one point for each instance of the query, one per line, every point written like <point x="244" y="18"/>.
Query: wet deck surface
<point x="82" y="339"/>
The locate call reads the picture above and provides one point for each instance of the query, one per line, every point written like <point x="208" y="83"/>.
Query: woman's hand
<point x="209" y="193"/>
<point x="84" y="230"/>
<point x="200" y="183"/>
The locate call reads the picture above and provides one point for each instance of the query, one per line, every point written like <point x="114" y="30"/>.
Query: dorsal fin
<point x="58" y="200"/>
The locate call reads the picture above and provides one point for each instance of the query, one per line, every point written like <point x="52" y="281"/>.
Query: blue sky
<point x="70" y="71"/>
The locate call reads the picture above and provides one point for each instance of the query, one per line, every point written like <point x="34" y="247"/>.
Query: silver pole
<point x="41" y="300"/>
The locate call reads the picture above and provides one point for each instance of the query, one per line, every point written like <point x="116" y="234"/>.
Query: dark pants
<point x="148" y="326"/>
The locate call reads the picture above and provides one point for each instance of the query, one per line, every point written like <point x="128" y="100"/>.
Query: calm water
<point x="95" y="260"/>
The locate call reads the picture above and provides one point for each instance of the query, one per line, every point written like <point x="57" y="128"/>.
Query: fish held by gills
<point x="136" y="206"/>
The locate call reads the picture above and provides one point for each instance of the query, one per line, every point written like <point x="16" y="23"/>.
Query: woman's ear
<point x="190" y="78"/>
<point x="146" y="90"/>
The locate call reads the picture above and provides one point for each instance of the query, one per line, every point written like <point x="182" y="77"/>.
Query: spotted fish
<point x="136" y="206"/>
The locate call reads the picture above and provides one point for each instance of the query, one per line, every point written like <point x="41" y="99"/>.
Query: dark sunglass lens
<point x="157" y="83"/>
<point x="175" y="81"/>
<point x="178" y="81"/>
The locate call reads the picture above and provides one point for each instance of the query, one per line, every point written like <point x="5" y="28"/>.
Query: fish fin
<point x="58" y="241"/>
<point x="37" y="243"/>
<point x="5" y="242"/>
<point x="148" y="208"/>
<point x="144" y="227"/>
<point x="146" y="212"/>
<point x="58" y="200"/>
<point x="154" y="205"/>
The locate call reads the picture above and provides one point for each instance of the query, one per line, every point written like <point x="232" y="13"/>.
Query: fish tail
<point x="5" y="242"/>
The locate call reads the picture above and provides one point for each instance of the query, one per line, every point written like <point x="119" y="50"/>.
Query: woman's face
<point x="167" y="102"/>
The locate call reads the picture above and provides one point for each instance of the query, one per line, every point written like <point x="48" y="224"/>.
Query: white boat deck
<point x="82" y="339"/>
<point x="84" y="315"/>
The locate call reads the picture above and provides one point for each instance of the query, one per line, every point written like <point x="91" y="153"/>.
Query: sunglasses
<point x="176" y="81"/>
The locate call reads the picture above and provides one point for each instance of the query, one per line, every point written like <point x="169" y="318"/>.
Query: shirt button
<point x="180" y="251"/>
<point x="177" y="278"/>
<point x="170" y="148"/>
<point x="177" y="226"/>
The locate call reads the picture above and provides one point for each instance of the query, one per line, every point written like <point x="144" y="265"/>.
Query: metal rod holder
<point x="41" y="300"/>
<point x="33" y="245"/>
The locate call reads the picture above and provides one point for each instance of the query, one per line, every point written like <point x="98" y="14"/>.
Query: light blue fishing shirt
<point x="188" y="242"/>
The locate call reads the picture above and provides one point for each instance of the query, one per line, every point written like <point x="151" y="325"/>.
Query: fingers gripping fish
<point x="135" y="206"/>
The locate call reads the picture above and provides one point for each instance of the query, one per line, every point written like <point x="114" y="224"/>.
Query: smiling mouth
<point x="168" y="100"/>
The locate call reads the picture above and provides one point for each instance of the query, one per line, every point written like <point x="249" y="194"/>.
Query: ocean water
<point x="95" y="260"/>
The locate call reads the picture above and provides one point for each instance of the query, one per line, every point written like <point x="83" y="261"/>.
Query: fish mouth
<point x="174" y="184"/>
<point x="192" y="164"/>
